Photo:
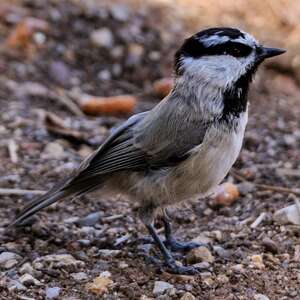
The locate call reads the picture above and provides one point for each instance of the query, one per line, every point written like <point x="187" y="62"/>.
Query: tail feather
<point x="38" y="204"/>
<point x="64" y="189"/>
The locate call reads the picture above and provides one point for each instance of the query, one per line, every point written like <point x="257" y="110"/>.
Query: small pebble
<point x="80" y="276"/>
<point x="90" y="219"/>
<point x="257" y="261"/>
<point x="102" y="38"/>
<point x="270" y="246"/>
<point x="260" y="297"/>
<point x="9" y="259"/>
<point x="29" y="280"/>
<point x="53" y="150"/>
<point x="52" y="292"/>
<point x="160" y="287"/>
<point x="188" y="296"/>
<point x="200" y="254"/>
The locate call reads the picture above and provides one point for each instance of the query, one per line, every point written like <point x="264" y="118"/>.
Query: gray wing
<point x="160" y="138"/>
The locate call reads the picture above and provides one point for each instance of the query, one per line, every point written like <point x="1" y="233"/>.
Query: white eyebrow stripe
<point x="214" y="40"/>
<point x="217" y="39"/>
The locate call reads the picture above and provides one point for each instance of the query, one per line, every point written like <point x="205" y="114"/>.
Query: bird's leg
<point x="146" y="215"/>
<point x="171" y="243"/>
<point x="168" y="258"/>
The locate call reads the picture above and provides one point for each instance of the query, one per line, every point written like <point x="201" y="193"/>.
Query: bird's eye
<point x="234" y="51"/>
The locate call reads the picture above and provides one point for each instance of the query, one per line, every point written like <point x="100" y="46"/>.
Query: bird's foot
<point x="170" y="266"/>
<point x="174" y="245"/>
<point x="174" y="268"/>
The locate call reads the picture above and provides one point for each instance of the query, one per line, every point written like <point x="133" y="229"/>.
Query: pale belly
<point x="207" y="166"/>
<point x="198" y="175"/>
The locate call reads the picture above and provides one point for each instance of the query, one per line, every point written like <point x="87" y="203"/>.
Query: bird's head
<point x="220" y="56"/>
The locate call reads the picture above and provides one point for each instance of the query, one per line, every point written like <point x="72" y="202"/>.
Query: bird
<point x="182" y="148"/>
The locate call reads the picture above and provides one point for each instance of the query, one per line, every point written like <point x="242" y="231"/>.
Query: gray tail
<point x="57" y="193"/>
<point x="38" y="204"/>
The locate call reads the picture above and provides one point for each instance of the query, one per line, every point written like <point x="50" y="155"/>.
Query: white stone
<point x="160" y="287"/>
<point x="260" y="297"/>
<point x="28" y="279"/>
<point x="288" y="215"/>
<point x="58" y="261"/>
<point x="80" y="276"/>
<point x="52" y="293"/>
<point x="102" y="38"/>
<point x="9" y="259"/>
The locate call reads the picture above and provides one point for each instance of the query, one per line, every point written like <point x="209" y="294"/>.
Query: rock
<point x="188" y="296"/>
<point x="221" y="252"/>
<point x="27" y="268"/>
<point x="15" y="285"/>
<point x="28" y="280"/>
<point x="239" y="268"/>
<point x="53" y="150"/>
<point x="288" y="215"/>
<point x="123" y="265"/>
<point x="297" y="253"/>
<point x="102" y="38"/>
<point x="80" y="276"/>
<point x="202" y="238"/>
<point x="9" y="259"/>
<point x="107" y="253"/>
<point x="135" y="54"/>
<point x="144" y="297"/>
<point x="260" y="297"/>
<point x="222" y="278"/>
<point x="99" y="285"/>
<point x="200" y="254"/>
<point x="270" y="246"/>
<point x="225" y="195"/>
<point x="60" y="73"/>
<point x="202" y="265"/>
<point x="52" y="292"/>
<point x="104" y="75"/>
<point x="246" y="188"/>
<point x="90" y="219"/>
<point x="257" y="261"/>
<point x="120" y="12"/>
<point x="160" y="287"/>
<point x="57" y="261"/>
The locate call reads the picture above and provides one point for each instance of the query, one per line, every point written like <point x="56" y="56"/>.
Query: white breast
<point x="210" y="161"/>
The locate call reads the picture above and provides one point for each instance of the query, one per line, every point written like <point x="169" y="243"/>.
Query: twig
<point x="112" y="218"/>
<point x="279" y="189"/>
<point x="12" y="150"/>
<point x="4" y="191"/>
<point x="258" y="220"/>
<point x="61" y="96"/>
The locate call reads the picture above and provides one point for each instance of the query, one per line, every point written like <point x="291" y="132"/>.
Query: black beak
<point x="265" y="52"/>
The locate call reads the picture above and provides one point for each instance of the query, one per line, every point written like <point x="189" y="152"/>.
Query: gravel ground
<point x="92" y="247"/>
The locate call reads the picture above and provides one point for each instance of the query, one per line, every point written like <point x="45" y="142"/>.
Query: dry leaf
<point x="56" y="125"/>
<point x="99" y="285"/>
<point x="21" y="36"/>
<point x="115" y="105"/>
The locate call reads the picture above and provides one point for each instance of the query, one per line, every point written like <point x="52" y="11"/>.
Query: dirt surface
<point x="249" y="260"/>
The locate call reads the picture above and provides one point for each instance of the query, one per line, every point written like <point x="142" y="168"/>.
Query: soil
<point x="62" y="59"/>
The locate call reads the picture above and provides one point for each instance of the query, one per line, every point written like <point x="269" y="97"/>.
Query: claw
<point x="181" y="270"/>
<point x="174" y="245"/>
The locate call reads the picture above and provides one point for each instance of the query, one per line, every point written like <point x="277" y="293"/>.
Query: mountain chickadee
<point x="185" y="145"/>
